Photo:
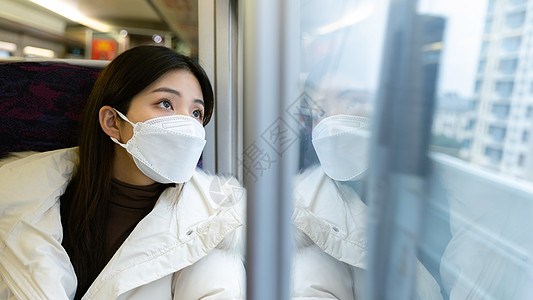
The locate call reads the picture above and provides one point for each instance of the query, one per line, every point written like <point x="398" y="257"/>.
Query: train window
<point x="479" y="180"/>
<point x="7" y="49"/>
<point x="414" y="158"/>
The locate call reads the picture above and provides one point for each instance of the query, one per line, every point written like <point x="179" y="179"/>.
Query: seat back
<point x="41" y="103"/>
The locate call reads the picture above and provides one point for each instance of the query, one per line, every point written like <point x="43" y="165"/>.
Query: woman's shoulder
<point x="31" y="160"/>
<point x="28" y="182"/>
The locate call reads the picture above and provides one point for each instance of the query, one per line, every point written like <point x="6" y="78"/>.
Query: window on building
<point x="504" y="88"/>
<point x="529" y="112"/>
<point x="511" y="44"/>
<point x="488" y="26"/>
<point x="490" y="6"/>
<point x="525" y="136"/>
<point x="470" y="125"/>
<point x="515" y="20"/>
<point x="517" y="2"/>
<point x="477" y="86"/>
<point x="521" y="160"/>
<point x="473" y="104"/>
<point x="481" y="65"/>
<point x="467" y="143"/>
<point x="501" y="111"/>
<point x="493" y="154"/>
<point x="508" y="65"/>
<point x="497" y="133"/>
<point x="484" y="47"/>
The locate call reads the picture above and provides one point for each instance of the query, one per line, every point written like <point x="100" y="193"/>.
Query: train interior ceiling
<point x="95" y="29"/>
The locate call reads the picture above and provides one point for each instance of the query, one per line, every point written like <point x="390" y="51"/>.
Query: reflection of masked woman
<point x="341" y="144"/>
<point x="329" y="212"/>
<point x="330" y="217"/>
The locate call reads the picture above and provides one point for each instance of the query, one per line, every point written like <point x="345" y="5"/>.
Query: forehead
<point x="177" y="77"/>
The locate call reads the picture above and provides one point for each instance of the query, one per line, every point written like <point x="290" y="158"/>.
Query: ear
<point x="109" y="121"/>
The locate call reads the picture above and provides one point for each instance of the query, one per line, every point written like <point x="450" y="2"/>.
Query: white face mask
<point x="341" y="144"/>
<point x="166" y="149"/>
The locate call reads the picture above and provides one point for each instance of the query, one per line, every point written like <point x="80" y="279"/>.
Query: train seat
<point x="41" y="103"/>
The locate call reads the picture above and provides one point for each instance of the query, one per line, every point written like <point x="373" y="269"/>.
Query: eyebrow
<point x="175" y="92"/>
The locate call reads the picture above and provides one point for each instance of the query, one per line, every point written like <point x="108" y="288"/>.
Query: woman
<point x="125" y="215"/>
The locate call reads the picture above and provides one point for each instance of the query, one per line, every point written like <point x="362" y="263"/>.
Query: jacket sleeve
<point x="219" y="275"/>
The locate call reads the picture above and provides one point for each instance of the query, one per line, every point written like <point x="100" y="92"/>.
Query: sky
<point x="360" y="47"/>
<point x="462" y="41"/>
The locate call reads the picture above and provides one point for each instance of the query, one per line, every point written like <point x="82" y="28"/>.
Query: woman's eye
<point x="165" y="104"/>
<point x="197" y="114"/>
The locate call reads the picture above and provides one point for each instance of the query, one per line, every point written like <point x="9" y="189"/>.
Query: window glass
<point x="4" y="53"/>
<point x="529" y="111"/>
<point x="480" y="194"/>
<point x="501" y="111"/>
<point x="340" y="53"/>
<point x="511" y="44"/>
<point x="497" y="133"/>
<point x="525" y="136"/>
<point x="504" y="88"/>
<point x="488" y="26"/>
<point x="508" y="66"/>
<point x="464" y="76"/>
<point x="515" y="20"/>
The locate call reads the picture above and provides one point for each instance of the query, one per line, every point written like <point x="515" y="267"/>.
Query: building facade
<point x="503" y="92"/>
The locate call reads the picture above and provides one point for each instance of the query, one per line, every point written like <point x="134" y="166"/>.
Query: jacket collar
<point x="174" y="235"/>
<point x="333" y="217"/>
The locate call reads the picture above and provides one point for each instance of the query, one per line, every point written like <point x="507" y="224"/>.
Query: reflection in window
<point x="493" y="154"/>
<point x="515" y="20"/>
<point x="511" y="44"/>
<point x="501" y="111"/>
<point x="497" y="133"/>
<point x="525" y="136"/>
<point x="508" y="66"/>
<point x="504" y="88"/>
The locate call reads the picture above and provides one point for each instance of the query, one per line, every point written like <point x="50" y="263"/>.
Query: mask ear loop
<point x="123" y="117"/>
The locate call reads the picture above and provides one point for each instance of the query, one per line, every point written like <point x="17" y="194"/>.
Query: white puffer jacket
<point x="331" y="253"/>
<point x="189" y="250"/>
